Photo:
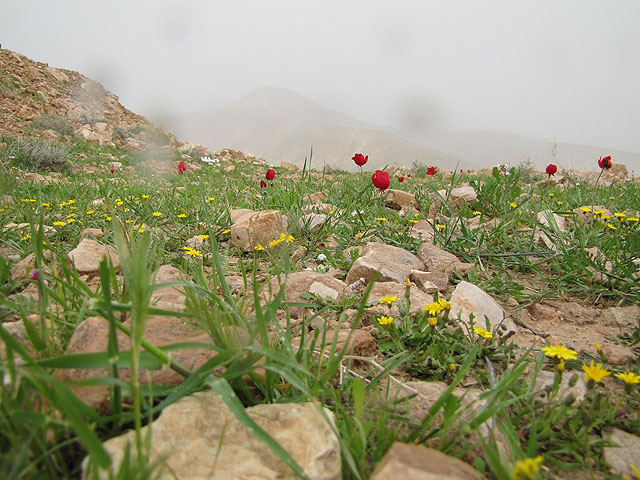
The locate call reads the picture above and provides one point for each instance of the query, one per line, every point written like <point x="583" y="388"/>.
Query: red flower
<point x="271" y="174"/>
<point x="113" y="170"/>
<point x="605" y="163"/>
<point x="551" y="169"/>
<point x="181" y="168"/>
<point x="263" y="184"/>
<point x="431" y="171"/>
<point x="381" y="180"/>
<point x="401" y="179"/>
<point x="360" y="159"/>
<point x="408" y="175"/>
<point x="33" y="275"/>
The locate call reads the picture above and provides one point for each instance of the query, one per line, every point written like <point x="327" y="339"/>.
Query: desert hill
<point x="281" y="125"/>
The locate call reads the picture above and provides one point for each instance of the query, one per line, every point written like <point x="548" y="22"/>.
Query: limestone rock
<point x="92" y="336"/>
<point x="546" y="379"/>
<point x="625" y="454"/>
<point x="416" y="462"/>
<point x="258" y="228"/>
<point x="186" y="438"/>
<point x="22" y="269"/>
<point x="289" y="166"/>
<point x="469" y="299"/>
<point x="308" y="281"/>
<point x="621" y="316"/>
<point x="458" y="198"/>
<point x="438" y="260"/>
<point x="86" y="257"/>
<point x="393" y="264"/>
<point x="312" y="222"/>
<point x="170" y="298"/>
<point x="430" y="282"/>
<point x="400" y="200"/>
<point x="238" y="213"/>
<point x="422" y="230"/>
<point x="552" y="221"/>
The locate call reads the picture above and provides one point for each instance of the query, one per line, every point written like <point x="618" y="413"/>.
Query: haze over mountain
<point x="282" y="125"/>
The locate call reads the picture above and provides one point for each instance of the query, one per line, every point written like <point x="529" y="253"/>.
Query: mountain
<point x="281" y="125"/>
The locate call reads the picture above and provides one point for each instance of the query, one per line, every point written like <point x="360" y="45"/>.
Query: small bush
<point x="50" y="121"/>
<point x="36" y="154"/>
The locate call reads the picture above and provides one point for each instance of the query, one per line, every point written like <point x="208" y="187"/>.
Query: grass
<point x="46" y="430"/>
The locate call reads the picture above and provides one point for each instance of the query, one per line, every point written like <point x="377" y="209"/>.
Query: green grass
<point x="45" y="430"/>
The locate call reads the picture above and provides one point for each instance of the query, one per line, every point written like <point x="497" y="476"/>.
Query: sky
<point x="561" y="70"/>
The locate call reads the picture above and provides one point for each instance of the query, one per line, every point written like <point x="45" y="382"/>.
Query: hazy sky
<point x="559" y="69"/>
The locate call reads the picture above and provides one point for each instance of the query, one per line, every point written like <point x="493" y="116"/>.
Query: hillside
<point x="281" y="125"/>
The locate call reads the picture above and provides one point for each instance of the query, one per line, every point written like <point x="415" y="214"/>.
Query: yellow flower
<point x="444" y="304"/>
<point x="381" y="219"/>
<point x="526" y="469"/>
<point x="145" y="196"/>
<point x="620" y="215"/>
<point x="552" y="194"/>
<point x="224" y="232"/>
<point x="606" y="217"/>
<point x="597" y="373"/>
<point x="203" y="237"/>
<point x="385" y="320"/>
<point x="181" y="215"/>
<point x="599" y="212"/>
<point x="258" y="247"/>
<point x="157" y="214"/>
<point x="482" y="332"/>
<point x="632" y="219"/>
<point x="598" y="348"/>
<point x="388" y="299"/>
<point x="192" y="252"/>
<point x="560" y="366"/>
<point x="408" y="282"/>
<point x="119" y="202"/>
<point x="452" y="367"/>
<point x="585" y="209"/>
<point x="274" y="243"/>
<point x="26" y="237"/>
<point x="612" y="227"/>
<point x="411" y="220"/>
<point x="513" y="204"/>
<point x="142" y="228"/>
<point x="59" y="224"/>
<point x="289" y="239"/>
<point x="477" y="212"/>
<point x="433" y="321"/>
<point x="629" y="378"/>
<point x="128" y="221"/>
<point x="71" y="202"/>
<point x="45" y="205"/>
<point x="439" y="226"/>
<point x="89" y="212"/>
<point x="107" y="218"/>
<point x="432" y="309"/>
<point x="211" y="199"/>
<point x="612" y="198"/>
<point x="560" y="352"/>
<point x="71" y="220"/>
<point x="560" y="202"/>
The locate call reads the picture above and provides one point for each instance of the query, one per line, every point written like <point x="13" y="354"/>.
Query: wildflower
<point x="632" y="219"/>
<point x="263" y="184"/>
<point x="26" y="237"/>
<point x="433" y="321"/>
<point x="620" y="214"/>
<point x="45" y="205"/>
<point x="452" y="367"/>
<point x="107" y="218"/>
<point x="380" y="180"/>
<point x="513" y="204"/>
<point x="598" y="212"/>
<point x="119" y="202"/>
<point x="381" y="219"/>
<point x="560" y="202"/>
<point x="181" y="168"/>
<point x="629" y="378"/>
<point x="477" y="212"/>
<point x="560" y="352"/>
<point x="432" y="309"/>
<point x="595" y="373"/>
<point x="224" y="232"/>
<point x="605" y="163"/>
<point x="321" y="257"/>
<point x="482" y="332"/>
<point x="401" y="179"/>
<point x="552" y="195"/>
<point x="271" y="174"/>
<point x="439" y="226"/>
<point x="560" y="366"/>
<point x="598" y="348"/>
<point x="89" y="212"/>
<point x="203" y="237"/>
<point x="388" y="299"/>
<point x="192" y="252"/>
<point x="612" y="227"/>
<point x="411" y="220"/>
<point x="526" y="469"/>
<point x="258" y="247"/>
<point x="431" y="171"/>
<point x="34" y="274"/>
<point x="141" y="228"/>
<point x="113" y="170"/>
<point x="145" y="197"/>
<point x="274" y="243"/>
<point x="585" y="209"/>
<point x="157" y="214"/>
<point x="71" y="220"/>
<point x="59" y="224"/>
<point x="360" y="159"/>
<point x="551" y="169"/>
<point x="444" y="304"/>
<point x="181" y="215"/>
<point x="605" y="217"/>
<point x="385" y="320"/>
<point x="289" y="239"/>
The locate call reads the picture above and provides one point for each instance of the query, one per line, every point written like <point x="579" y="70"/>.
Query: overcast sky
<point x="551" y="69"/>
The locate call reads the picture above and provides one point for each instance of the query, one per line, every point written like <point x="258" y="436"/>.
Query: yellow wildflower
<point x="526" y="469"/>
<point x="388" y="299"/>
<point x="385" y="320"/>
<point x="45" y="205"/>
<point x="381" y="219"/>
<point x="560" y="366"/>
<point x="145" y="196"/>
<point x="513" y="204"/>
<point x="432" y="309"/>
<point x="89" y="212"/>
<point x="274" y="243"/>
<point x="203" y="237"/>
<point x="59" y="224"/>
<point x="612" y="227"/>
<point x="157" y="214"/>
<point x="224" y="232"/>
<point x="452" y="367"/>
<point x="289" y="239"/>
<point x="142" y="228"/>
<point x="595" y="373"/>
<point x="192" y="252"/>
<point x="26" y="237"/>
<point x="560" y="352"/>
<point x="411" y="220"/>
<point x="444" y="304"/>
<point x="477" y="212"/>
<point x="482" y="332"/>
<point x="632" y="219"/>
<point x="629" y="378"/>
<point x="211" y="199"/>
<point x="560" y="202"/>
<point x="258" y="247"/>
<point x="439" y="226"/>
<point x="107" y="218"/>
<point x="181" y="215"/>
<point x="585" y="209"/>
<point x="433" y="321"/>
<point x="552" y="194"/>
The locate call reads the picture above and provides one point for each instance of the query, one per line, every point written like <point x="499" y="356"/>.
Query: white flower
<point x="209" y="160"/>
<point x="355" y="212"/>
<point x="322" y="257"/>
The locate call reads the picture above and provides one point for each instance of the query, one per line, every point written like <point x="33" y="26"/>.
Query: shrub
<point x="36" y="154"/>
<point x="50" y="121"/>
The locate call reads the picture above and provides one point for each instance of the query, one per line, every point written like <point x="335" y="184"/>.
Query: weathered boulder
<point x="621" y="458"/>
<point x="400" y="200"/>
<point x="422" y="230"/>
<point x="468" y="299"/>
<point x="415" y="462"/>
<point x="307" y="281"/>
<point x="439" y="260"/>
<point x="22" y="269"/>
<point x="430" y="282"/>
<point x="458" y="198"/>
<point x="259" y="228"/>
<point x="169" y="297"/>
<point x="199" y="438"/>
<point x="92" y="233"/>
<point x="312" y="222"/>
<point x="393" y="264"/>
<point x="86" y="257"/>
<point x="551" y="220"/>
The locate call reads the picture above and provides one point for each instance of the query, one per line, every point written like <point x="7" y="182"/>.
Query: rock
<point x="199" y="438"/>
<point x="87" y="255"/>
<point x="416" y="462"/>
<point x="312" y="222"/>
<point x="621" y="316"/>
<point x="417" y="297"/>
<point x="400" y="200"/>
<point x="543" y="313"/>
<point x="258" y="228"/>
<point x="360" y="342"/>
<point x="469" y="299"/>
<point x="428" y="281"/>
<point x="458" y="198"/>
<point x="422" y="230"/>
<point x="170" y="298"/>
<point x="300" y="283"/>
<point x="618" y="354"/>
<point x="34" y="177"/>
<point x="546" y="379"/>
<point x="621" y="458"/>
<point x="438" y="260"/>
<point x="92" y="233"/>
<point x="575" y="313"/>
<point x="318" y="197"/>
<point x="289" y="166"/>
<point x="393" y="264"/>
<point x="92" y="336"/>
<point x="552" y="221"/>
<point x="16" y="330"/>
<point x="22" y="269"/>
<point x="195" y="242"/>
